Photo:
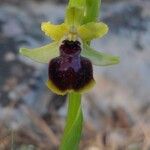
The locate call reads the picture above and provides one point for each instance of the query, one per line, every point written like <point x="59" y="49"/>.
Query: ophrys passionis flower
<point x="69" y="56"/>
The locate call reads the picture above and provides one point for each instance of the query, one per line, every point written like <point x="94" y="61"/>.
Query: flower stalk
<point x="74" y="123"/>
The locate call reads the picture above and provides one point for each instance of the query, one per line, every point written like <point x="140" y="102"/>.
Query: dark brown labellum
<point x="70" y="71"/>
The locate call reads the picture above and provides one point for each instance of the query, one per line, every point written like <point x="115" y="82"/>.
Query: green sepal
<point x="99" y="58"/>
<point x="42" y="54"/>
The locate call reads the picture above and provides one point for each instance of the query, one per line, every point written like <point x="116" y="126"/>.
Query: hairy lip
<point x="71" y="71"/>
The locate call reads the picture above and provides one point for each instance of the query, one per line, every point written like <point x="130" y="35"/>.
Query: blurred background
<point x="117" y="110"/>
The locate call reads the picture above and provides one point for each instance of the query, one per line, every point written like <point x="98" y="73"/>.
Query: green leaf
<point x="74" y="16"/>
<point x="77" y="3"/>
<point x="92" y="10"/>
<point x="99" y="58"/>
<point x="42" y="54"/>
<point x="74" y="123"/>
<point x="75" y="12"/>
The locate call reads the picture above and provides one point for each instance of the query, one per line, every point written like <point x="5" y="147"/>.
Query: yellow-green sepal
<point x="99" y="58"/>
<point x="92" y="30"/>
<point x="41" y="54"/>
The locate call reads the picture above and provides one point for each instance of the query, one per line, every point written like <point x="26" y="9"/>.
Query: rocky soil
<point x="117" y="110"/>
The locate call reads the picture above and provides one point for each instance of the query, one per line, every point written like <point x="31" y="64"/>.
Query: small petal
<point x="92" y="30"/>
<point x="42" y="54"/>
<point x="56" y="32"/>
<point x="99" y="58"/>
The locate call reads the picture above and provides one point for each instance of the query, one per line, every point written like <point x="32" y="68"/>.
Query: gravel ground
<point x="117" y="110"/>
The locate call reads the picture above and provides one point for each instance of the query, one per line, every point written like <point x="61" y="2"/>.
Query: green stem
<point x="74" y="123"/>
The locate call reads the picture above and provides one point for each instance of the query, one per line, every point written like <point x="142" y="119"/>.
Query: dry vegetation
<point x="120" y="121"/>
<point x="117" y="131"/>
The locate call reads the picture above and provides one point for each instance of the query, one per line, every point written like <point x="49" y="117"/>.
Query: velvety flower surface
<point x="69" y="56"/>
<point x="70" y="71"/>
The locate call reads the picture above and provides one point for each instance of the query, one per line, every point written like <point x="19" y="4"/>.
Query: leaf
<point x="42" y="54"/>
<point x="74" y="16"/>
<point x="73" y="128"/>
<point x="92" y="11"/>
<point x="92" y="30"/>
<point x="77" y="3"/>
<point x="75" y="12"/>
<point x="99" y="58"/>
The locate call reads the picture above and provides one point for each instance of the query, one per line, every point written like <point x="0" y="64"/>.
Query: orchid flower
<point x="69" y="56"/>
<point x="71" y="59"/>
